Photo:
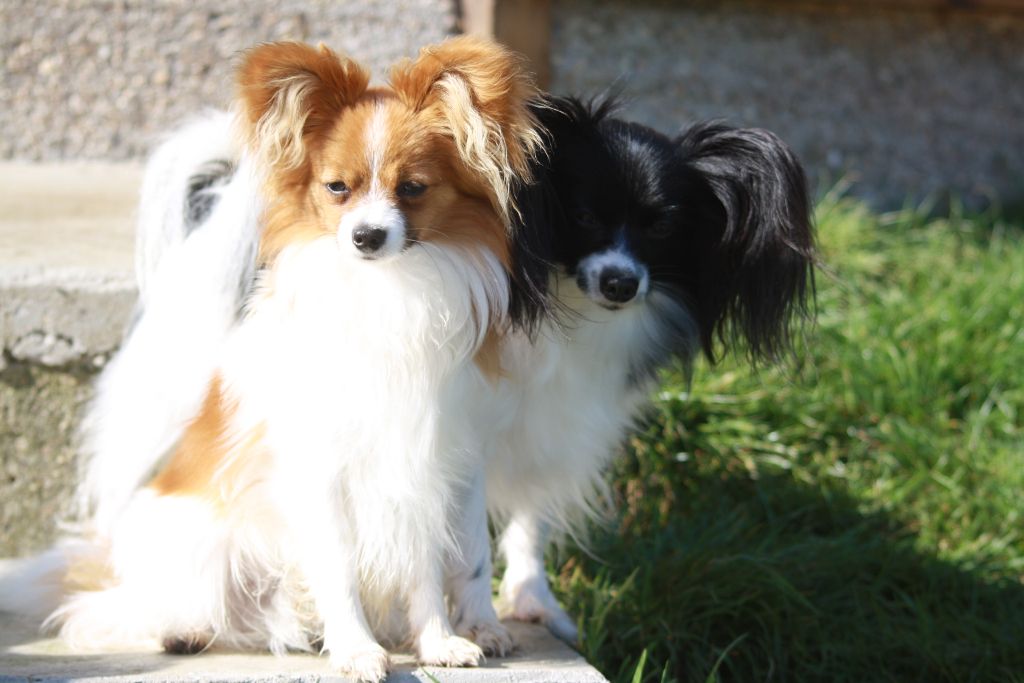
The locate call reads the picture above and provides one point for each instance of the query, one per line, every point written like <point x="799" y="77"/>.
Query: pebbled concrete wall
<point x="39" y="414"/>
<point x="99" y="79"/>
<point x="907" y="101"/>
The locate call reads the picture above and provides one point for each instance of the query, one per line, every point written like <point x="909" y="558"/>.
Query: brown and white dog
<point x="312" y="495"/>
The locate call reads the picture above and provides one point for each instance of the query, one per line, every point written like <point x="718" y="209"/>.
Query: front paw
<point x="533" y="601"/>
<point x="493" y="638"/>
<point x="450" y="651"/>
<point x="369" y="663"/>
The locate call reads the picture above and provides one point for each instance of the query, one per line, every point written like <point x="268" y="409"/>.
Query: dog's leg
<point x="322" y="547"/>
<point x="469" y="577"/>
<point x="436" y="642"/>
<point x="525" y="593"/>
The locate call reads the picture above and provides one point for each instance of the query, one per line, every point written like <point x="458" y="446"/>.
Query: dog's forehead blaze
<point x="379" y="142"/>
<point x="375" y="144"/>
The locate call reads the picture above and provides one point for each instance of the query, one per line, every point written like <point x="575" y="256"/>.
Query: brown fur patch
<point x="207" y="462"/>
<point x="476" y="91"/>
<point x="488" y="357"/>
<point x="289" y="95"/>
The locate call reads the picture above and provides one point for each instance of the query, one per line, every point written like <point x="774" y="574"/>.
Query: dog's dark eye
<point x="660" y="229"/>
<point x="337" y="188"/>
<point x="586" y="218"/>
<point x="410" y="189"/>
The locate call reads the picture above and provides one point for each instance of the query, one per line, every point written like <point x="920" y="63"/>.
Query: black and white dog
<point x="662" y="247"/>
<point x="659" y="247"/>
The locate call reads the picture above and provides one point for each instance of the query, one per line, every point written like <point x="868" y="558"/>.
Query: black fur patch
<point x="199" y="197"/>
<point x="185" y="645"/>
<point x="720" y="217"/>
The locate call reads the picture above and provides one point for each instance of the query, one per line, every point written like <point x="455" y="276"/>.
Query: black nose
<point x="369" y="238"/>
<point x="618" y="286"/>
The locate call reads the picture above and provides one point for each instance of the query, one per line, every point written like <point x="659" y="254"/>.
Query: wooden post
<point x="523" y="25"/>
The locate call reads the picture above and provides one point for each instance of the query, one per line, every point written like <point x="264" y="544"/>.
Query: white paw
<point x="369" y="663"/>
<point x="532" y="600"/>
<point x="450" y="651"/>
<point x="493" y="638"/>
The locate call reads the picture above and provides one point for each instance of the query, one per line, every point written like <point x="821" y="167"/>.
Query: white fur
<point x="356" y="372"/>
<point x="34" y="586"/>
<point x="559" y="418"/>
<point x="181" y="567"/>
<point x="155" y="383"/>
<point x="161" y="216"/>
<point x="469" y="572"/>
<point x="376" y="146"/>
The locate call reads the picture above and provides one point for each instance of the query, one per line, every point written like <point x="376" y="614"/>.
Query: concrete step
<point x="66" y="293"/>
<point x="66" y="242"/>
<point x="25" y="656"/>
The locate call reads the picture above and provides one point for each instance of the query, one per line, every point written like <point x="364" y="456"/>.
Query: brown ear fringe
<point x="479" y="91"/>
<point x="290" y="92"/>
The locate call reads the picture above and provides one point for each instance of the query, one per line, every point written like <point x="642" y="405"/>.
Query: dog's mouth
<point x="609" y="306"/>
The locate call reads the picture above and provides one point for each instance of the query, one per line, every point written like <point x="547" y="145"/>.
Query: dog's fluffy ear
<point x="478" y="93"/>
<point x="756" y="234"/>
<point x="288" y="93"/>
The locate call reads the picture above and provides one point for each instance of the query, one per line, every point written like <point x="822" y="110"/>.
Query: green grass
<point x="857" y="518"/>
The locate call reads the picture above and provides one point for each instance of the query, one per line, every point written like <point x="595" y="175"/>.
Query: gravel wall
<point x="903" y="101"/>
<point x="39" y="413"/>
<point x="98" y="79"/>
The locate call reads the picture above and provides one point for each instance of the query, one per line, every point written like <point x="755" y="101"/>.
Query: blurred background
<point x="854" y="515"/>
<point x="907" y="97"/>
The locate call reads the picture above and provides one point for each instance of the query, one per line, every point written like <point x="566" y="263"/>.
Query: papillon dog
<point x="663" y="248"/>
<point x="315" y="493"/>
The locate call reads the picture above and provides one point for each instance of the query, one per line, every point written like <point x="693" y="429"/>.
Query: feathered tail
<point x="197" y="237"/>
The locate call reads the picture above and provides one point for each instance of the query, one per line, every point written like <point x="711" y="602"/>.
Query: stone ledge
<point x="25" y="656"/>
<point x="67" y="290"/>
<point x="66" y="243"/>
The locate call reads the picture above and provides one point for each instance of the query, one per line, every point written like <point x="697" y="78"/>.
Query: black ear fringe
<point x="533" y="224"/>
<point x="591" y="111"/>
<point x="530" y="300"/>
<point x="540" y="211"/>
<point x="759" y="271"/>
<point x="556" y="113"/>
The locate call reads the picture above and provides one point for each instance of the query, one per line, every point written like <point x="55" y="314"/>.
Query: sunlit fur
<point x="316" y="492"/>
<point x="190" y="286"/>
<point x="712" y="232"/>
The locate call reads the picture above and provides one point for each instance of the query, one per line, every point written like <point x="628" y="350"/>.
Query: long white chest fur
<point x="354" y="378"/>
<point x="571" y="396"/>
